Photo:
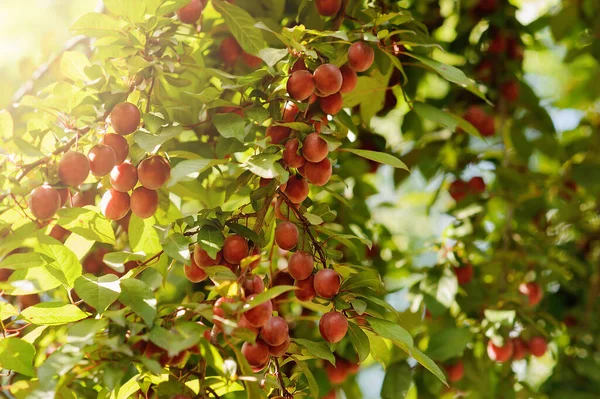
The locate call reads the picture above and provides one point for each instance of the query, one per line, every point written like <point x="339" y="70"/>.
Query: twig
<point x="339" y="18"/>
<point x="212" y="391"/>
<point x="284" y="392"/>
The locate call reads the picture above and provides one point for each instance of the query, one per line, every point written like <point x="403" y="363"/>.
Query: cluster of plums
<point x="108" y="158"/>
<point x="460" y="189"/>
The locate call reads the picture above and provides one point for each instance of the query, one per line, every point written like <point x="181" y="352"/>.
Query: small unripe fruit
<point x="360" y="56"/>
<point x="194" y="273"/>
<point x="114" y="204"/>
<point x="533" y="291"/>
<point x="260" y="314"/>
<point x="301" y="265"/>
<point x="190" y="13"/>
<point x="318" y="174"/>
<point x="306" y="291"/>
<point x="500" y="354"/>
<point x="235" y="248"/>
<point x="520" y="349"/>
<point x="144" y="202"/>
<point x="538" y="346"/>
<point x="118" y="144"/>
<point x="124" y="177"/>
<point x="280" y="350"/>
<point x="202" y="258"/>
<point x="290" y="154"/>
<point x="333" y="326"/>
<point x="286" y="235"/>
<point x="328" y="80"/>
<point x="455" y="371"/>
<point x="297" y="189"/>
<point x="125" y="118"/>
<point x="256" y="354"/>
<point x="328" y="8"/>
<point x="153" y="172"/>
<point x="275" y="331"/>
<point x="333" y="104"/>
<point x="300" y="85"/>
<point x="278" y="133"/>
<point x="253" y="285"/>
<point x="327" y="283"/>
<point x="44" y="202"/>
<point x="314" y="148"/>
<point x="229" y="50"/>
<point x="349" y="79"/>
<point x="73" y="168"/>
<point x="476" y="185"/>
<point x="464" y="274"/>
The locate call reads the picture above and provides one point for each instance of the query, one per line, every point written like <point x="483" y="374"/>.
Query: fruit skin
<point x="538" y="346"/>
<point x="202" y="258"/>
<point x="510" y="91"/>
<point x="300" y="85"/>
<point x="332" y="104"/>
<point x="333" y="326"/>
<point x="301" y="265"/>
<point x="455" y="371"/>
<point x="102" y="160"/>
<point x="154" y="172"/>
<point x="44" y="202"/>
<point x="318" y="174"/>
<point x="256" y="354"/>
<point x="476" y="185"/>
<point x="253" y="285"/>
<point x="229" y="50"/>
<point x="458" y="190"/>
<point x="286" y="235"/>
<point x="328" y="8"/>
<point x="314" y="148"/>
<point x="118" y="144"/>
<point x="83" y="198"/>
<point x="235" y="248"/>
<point x="144" y="202"/>
<point x="464" y="274"/>
<point x="339" y="373"/>
<point x="533" y="291"/>
<point x="328" y="80"/>
<point x="275" y="331"/>
<point x="73" y="168"/>
<point x="114" y="204"/>
<point x="280" y="350"/>
<point x="330" y="395"/>
<point x="194" y="273"/>
<point x="500" y="354"/>
<point x="520" y="349"/>
<point x="290" y="154"/>
<point x="259" y="315"/>
<point x="278" y="133"/>
<point x="218" y="309"/>
<point x="360" y="56"/>
<point x="125" y="118"/>
<point x="349" y="79"/>
<point x="307" y="289"/>
<point x="123" y="177"/>
<point x="327" y="283"/>
<point x="244" y="323"/>
<point x="190" y="13"/>
<point x="297" y="189"/>
<point x="251" y="61"/>
<point x="477" y="117"/>
<point x="289" y="112"/>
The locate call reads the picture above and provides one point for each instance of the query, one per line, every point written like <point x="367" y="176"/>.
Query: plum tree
<point x="300" y="85"/>
<point x="193" y="272"/>
<point x="500" y="354"/>
<point x="253" y="285"/>
<point x="297" y="189"/>
<point x="230" y="50"/>
<point x="328" y="8"/>
<point x="257" y="354"/>
<point x="203" y="259"/>
<point x="300" y="265"/>
<point x="327" y="283"/>
<point x="533" y="292"/>
<point x="154" y="172"/>
<point x="328" y="80"/>
<point x="191" y="12"/>
<point x="119" y="145"/>
<point x="332" y="104"/>
<point x="115" y="204"/>
<point x="275" y="331"/>
<point x="124" y="177"/>
<point x="349" y="79"/>
<point x="44" y="202"/>
<point x="333" y="326"/>
<point x="360" y="56"/>
<point x="280" y="350"/>
<point x="73" y="168"/>
<point x="520" y="350"/>
<point x="319" y="173"/>
<point x="314" y="148"/>
<point x="286" y="235"/>
<point x="125" y="118"/>
<point x="455" y="371"/>
<point x="102" y="160"/>
<point x="306" y="289"/>
<point x="144" y="202"/>
<point x="235" y="248"/>
<point x="278" y="133"/>
<point x="464" y="274"/>
<point x="260" y="314"/>
<point x="537" y="346"/>
<point x="290" y="154"/>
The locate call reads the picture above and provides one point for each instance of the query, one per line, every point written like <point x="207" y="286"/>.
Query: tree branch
<point x="339" y="18"/>
<point x="284" y="391"/>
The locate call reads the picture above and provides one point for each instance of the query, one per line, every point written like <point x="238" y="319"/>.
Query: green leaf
<point x="312" y="382"/>
<point x="360" y="341"/>
<point x="128" y="389"/>
<point x="177" y="247"/>
<point x="53" y="314"/>
<point x="133" y="10"/>
<point x="316" y="349"/>
<point x="297" y="126"/>
<point x="253" y="389"/>
<point x="142" y="236"/>
<point x="73" y="64"/>
<point x="241" y="24"/>
<point x="24" y="261"/>
<point x="396" y="382"/>
<point x="245" y="232"/>
<point x="506" y="317"/>
<point x="230" y="126"/>
<point x="211" y="240"/>
<point x="178" y="338"/>
<point x="7" y="310"/>
<point x="428" y="364"/>
<point x="98" y="292"/>
<point x="393" y="332"/>
<point x="139" y="297"/>
<point x="97" y="25"/>
<point x="190" y="169"/>
<point x="32" y="281"/>
<point x="381" y="157"/>
<point x="379" y="349"/>
<point x="152" y="142"/>
<point x="88" y="223"/>
<point x="444" y="118"/>
<point x="451" y="74"/>
<point x="17" y="355"/>
<point x="272" y="56"/>
<point x="66" y="266"/>
<point x="6" y="125"/>
<point x="267" y="296"/>
<point x="448" y="343"/>
<point x="266" y="166"/>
